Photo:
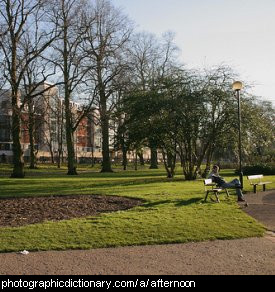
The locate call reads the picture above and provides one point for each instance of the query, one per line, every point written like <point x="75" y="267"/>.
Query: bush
<point x="258" y="169"/>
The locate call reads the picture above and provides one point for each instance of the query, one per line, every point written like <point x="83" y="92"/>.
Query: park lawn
<point x="173" y="212"/>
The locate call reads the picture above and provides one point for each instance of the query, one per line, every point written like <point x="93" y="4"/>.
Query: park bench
<point x="210" y="187"/>
<point x="257" y="180"/>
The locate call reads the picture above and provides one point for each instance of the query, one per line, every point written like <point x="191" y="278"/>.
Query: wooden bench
<point x="210" y="187"/>
<point x="257" y="180"/>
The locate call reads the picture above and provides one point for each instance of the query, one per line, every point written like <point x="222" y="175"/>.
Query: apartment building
<point x="5" y="125"/>
<point x="47" y="111"/>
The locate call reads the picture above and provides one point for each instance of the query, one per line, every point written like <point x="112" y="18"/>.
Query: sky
<point x="238" y="33"/>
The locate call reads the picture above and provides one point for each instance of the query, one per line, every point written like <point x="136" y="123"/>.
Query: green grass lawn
<point x="173" y="211"/>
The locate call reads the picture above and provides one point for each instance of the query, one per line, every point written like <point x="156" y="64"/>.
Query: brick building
<point x="49" y="128"/>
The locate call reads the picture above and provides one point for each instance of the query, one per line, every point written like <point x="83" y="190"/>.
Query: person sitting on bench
<point x="234" y="184"/>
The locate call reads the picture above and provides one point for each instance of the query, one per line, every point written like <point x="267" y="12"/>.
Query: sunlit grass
<point x="173" y="211"/>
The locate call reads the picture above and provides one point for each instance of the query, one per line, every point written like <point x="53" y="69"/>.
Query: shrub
<point x="258" y="169"/>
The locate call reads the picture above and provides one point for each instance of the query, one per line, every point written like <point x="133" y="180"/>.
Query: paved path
<point x="262" y="207"/>
<point x="246" y="256"/>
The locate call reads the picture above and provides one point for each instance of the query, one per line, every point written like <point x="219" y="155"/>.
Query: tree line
<point x="193" y="117"/>
<point x="91" y="50"/>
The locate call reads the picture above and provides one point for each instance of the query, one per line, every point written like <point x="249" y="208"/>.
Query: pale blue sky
<point x="240" y="33"/>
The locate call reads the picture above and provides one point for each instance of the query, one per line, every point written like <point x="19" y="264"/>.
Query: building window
<point x="4" y="135"/>
<point x="5" y="146"/>
<point x="4" y="104"/>
<point x="5" y="128"/>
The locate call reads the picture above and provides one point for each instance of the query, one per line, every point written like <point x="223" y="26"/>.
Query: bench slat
<point x="209" y="182"/>
<point x="256" y="180"/>
<point x="258" y="176"/>
<point x="261" y="183"/>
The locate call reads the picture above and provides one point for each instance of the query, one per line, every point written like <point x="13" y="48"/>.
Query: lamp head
<point x="237" y="86"/>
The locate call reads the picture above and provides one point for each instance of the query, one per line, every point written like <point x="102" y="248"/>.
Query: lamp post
<point x="237" y="87"/>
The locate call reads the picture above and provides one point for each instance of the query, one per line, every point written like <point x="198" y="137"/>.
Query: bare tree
<point x="21" y="20"/>
<point x="108" y="34"/>
<point x="35" y="89"/>
<point x="70" y="58"/>
<point x="55" y="126"/>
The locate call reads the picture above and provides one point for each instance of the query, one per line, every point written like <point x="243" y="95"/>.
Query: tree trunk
<point x="18" y="162"/>
<point x="190" y="176"/>
<point x="208" y="161"/>
<point x="141" y="159"/>
<point x="69" y="137"/>
<point x="59" y="154"/>
<point x="68" y="113"/>
<point x="93" y="157"/>
<point x="60" y="119"/>
<point x="154" y="158"/>
<point x="70" y="150"/>
<point x="169" y="166"/>
<point x="58" y="160"/>
<point x="136" y="160"/>
<point x="181" y="154"/>
<point x="200" y="158"/>
<point x="188" y="167"/>
<point x="124" y="157"/>
<point x="106" y="162"/>
<point x="51" y="152"/>
<point x="169" y="159"/>
<point x="31" y="137"/>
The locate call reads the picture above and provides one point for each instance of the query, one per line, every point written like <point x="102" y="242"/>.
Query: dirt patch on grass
<point x="16" y="212"/>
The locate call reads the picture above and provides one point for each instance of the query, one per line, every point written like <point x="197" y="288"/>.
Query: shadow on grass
<point x="187" y="202"/>
<point x="78" y="185"/>
<point x="53" y="171"/>
<point x="177" y="203"/>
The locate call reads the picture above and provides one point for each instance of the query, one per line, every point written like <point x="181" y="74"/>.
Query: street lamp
<point x="237" y="87"/>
